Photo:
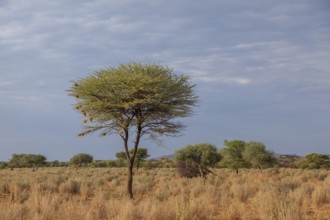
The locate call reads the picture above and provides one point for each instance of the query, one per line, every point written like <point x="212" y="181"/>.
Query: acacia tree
<point x="315" y="161"/>
<point x="200" y="156"/>
<point x="80" y="159"/>
<point x="232" y="154"/>
<point x="134" y="100"/>
<point x="141" y="155"/>
<point x="28" y="160"/>
<point x="121" y="159"/>
<point x="256" y="154"/>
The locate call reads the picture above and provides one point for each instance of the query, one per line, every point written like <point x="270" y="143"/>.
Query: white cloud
<point x="234" y="80"/>
<point x="10" y="30"/>
<point x="5" y="83"/>
<point x="257" y="45"/>
<point x="240" y="81"/>
<point x="273" y="62"/>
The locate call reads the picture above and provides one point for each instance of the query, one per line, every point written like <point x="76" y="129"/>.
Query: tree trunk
<point x="201" y="170"/>
<point x="129" y="165"/>
<point x="34" y="168"/>
<point x="131" y="157"/>
<point x="208" y="171"/>
<point x="130" y="182"/>
<point x="236" y="170"/>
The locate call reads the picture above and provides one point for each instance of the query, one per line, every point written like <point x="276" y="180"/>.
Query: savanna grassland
<point x="100" y="193"/>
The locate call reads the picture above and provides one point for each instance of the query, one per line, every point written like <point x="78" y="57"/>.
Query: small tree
<point x="28" y="160"/>
<point x="256" y="154"/>
<point x="198" y="156"/>
<point x="232" y="154"/>
<point x="315" y="161"/>
<point x="80" y="159"/>
<point x="111" y="163"/>
<point x="134" y="100"/>
<point x="141" y="156"/>
<point x="37" y="160"/>
<point x="121" y="159"/>
<point x="54" y="163"/>
<point x="3" y="165"/>
<point x="18" y="160"/>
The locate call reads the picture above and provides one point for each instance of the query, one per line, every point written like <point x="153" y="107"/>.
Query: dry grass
<point x="100" y="193"/>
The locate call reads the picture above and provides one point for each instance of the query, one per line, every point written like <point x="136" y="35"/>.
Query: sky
<point x="261" y="69"/>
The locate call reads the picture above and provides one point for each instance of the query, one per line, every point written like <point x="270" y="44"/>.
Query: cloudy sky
<point x="262" y="70"/>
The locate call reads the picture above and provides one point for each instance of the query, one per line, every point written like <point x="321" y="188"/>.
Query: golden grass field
<point x="100" y="193"/>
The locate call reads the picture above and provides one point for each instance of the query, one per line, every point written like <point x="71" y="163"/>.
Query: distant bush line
<point x="309" y="161"/>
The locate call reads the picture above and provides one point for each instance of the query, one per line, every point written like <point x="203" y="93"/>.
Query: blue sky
<point x="261" y="68"/>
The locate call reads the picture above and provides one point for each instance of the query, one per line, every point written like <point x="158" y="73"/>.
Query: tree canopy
<point x="141" y="155"/>
<point x="256" y="155"/>
<point x="240" y="154"/>
<point x="149" y="96"/>
<point x="315" y="161"/>
<point x="200" y="156"/>
<point x="232" y="154"/>
<point x="80" y="159"/>
<point x="28" y="160"/>
<point x="136" y="100"/>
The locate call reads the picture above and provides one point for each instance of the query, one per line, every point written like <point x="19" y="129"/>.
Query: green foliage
<point x="121" y="159"/>
<point x="198" y="156"/>
<point x="232" y="154"/>
<point x="80" y="159"/>
<point x="27" y="160"/>
<point x="121" y="155"/>
<point x="315" y="161"/>
<point x="63" y="164"/>
<point x="240" y="154"/>
<point x="150" y="164"/>
<point x="131" y="95"/>
<point x="99" y="163"/>
<point x="141" y="156"/>
<point x="256" y="154"/>
<point x="3" y="165"/>
<point x="203" y="154"/>
<point x="111" y="163"/>
<point x="54" y="163"/>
